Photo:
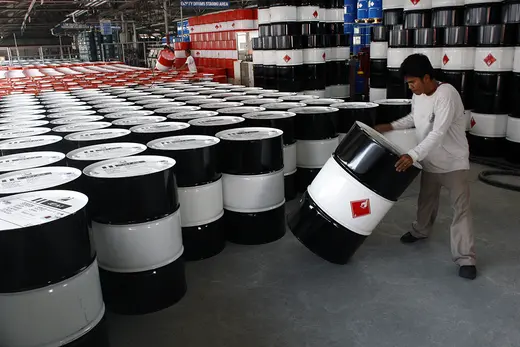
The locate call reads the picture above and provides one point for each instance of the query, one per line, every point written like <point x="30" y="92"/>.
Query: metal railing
<point x="37" y="54"/>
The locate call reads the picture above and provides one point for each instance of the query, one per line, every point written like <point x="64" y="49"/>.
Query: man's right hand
<point x="383" y="128"/>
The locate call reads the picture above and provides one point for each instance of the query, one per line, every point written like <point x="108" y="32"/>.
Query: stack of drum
<point x="297" y="41"/>
<point x="253" y="189"/>
<point x="199" y="184"/>
<point x="136" y="226"/>
<point x="378" y="63"/>
<point x="55" y="276"/>
<point x="400" y="43"/>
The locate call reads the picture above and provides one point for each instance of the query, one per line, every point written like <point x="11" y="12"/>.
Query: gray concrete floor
<point x="282" y="295"/>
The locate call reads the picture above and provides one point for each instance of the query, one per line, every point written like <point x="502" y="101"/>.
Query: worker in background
<point x="190" y="62"/>
<point x="438" y="116"/>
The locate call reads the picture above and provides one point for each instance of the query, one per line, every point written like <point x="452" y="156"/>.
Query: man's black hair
<point x="187" y="50"/>
<point x="416" y="65"/>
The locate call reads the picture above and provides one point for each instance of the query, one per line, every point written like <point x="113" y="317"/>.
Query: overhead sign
<point x="105" y="26"/>
<point x="206" y="4"/>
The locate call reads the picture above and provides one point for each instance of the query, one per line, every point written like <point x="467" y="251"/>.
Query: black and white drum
<point x="258" y="60"/>
<point x="487" y="135"/>
<point x="23" y="132"/>
<point x="512" y="145"/>
<point x="241" y="98"/>
<point x="428" y="41"/>
<point x="269" y="62"/>
<point x="253" y="184"/>
<point x="322" y="101"/>
<point x="286" y="122"/>
<point x="239" y="111"/>
<point x="515" y="92"/>
<point x="82" y="157"/>
<point x="71" y="114"/>
<point x="190" y="115"/>
<point x="352" y="112"/>
<point x="118" y="108"/>
<point x="76" y="119"/>
<point x="458" y="60"/>
<point x="59" y="282"/>
<point x="399" y="43"/>
<point x="119" y="115"/>
<point x="31" y="143"/>
<point x="64" y="130"/>
<point x="21" y="118"/>
<point x="282" y="106"/>
<point x="260" y="101"/>
<point x="212" y="125"/>
<point x="337" y="67"/>
<point x="95" y="137"/>
<point x="218" y="105"/>
<point x="390" y="110"/>
<point x="447" y="13"/>
<point x="130" y="122"/>
<point x="199" y="102"/>
<point x="26" y="124"/>
<point x="417" y="14"/>
<point x="361" y="175"/>
<point x="493" y="69"/>
<point x="176" y="109"/>
<point x="30" y="160"/>
<point x="165" y="104"/>
<point x="314" y="63"/>
<point x="136" y="227"/>
<point x="40" y="178"/>
<point x="289" y="63"/>
<point x="378" y="57"/>
<point x="148" y="132"/>
<point x="317" y="135"/>
<point x="199" y="184"/>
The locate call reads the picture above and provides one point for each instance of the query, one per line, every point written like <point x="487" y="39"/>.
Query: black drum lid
<point x="132" y="200"/>
<point x="37" y="256"/>
<point x="390" y="111"/>
<point x="370" y="158"/>
<point x="350" y="113"/>
<point x="285" y="121"/>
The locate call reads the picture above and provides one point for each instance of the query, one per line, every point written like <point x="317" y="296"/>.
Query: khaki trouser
<point x="462" y="242"/>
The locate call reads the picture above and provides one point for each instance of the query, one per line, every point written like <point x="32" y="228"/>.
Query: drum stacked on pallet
<point x="253" y="184"/>
<point x="136" y="226"/>
<point x="367" y="183"/>
<point x="45" y="280"/>
<point x="302" y="47"/>
<point x="200" y="192"/>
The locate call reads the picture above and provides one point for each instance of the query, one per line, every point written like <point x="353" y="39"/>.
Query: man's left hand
<point x="404" y="162"/>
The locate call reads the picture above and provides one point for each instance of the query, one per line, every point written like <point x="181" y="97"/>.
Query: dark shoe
<point x="409" y="238"/>
<point x="468" y="271"/>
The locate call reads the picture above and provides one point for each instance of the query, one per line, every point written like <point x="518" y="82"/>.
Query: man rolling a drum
<point x="438" y="116"/>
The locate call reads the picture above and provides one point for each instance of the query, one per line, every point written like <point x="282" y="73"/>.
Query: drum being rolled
<point x="350" y="195"/>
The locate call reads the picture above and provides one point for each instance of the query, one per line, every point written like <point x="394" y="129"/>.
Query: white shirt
<point x="441" y="130"/>
<point x="191" y="64"/>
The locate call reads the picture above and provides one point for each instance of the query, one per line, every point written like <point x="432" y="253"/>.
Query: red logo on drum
<point x="287" y="58"/>
<point x="415" y="2"/>
<point x="360" y="208"/>
<point x="472" y="122"/>
<point x="445" y="59"/>
<point x="324" y="56"/>
<point x="489" y="59"/>
<point x="315" y="14"/>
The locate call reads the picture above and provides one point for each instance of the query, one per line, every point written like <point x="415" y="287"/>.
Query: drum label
<point x="106" y="151"/>
<point x="20" y="161"/>
<point x="36" y="179"/>
<point x="25" y="210"/>
<point x="489" y="59"/>
<point x="360" y="208"/>
<point x="129" y="167"/>
<point x="473" y="122"/>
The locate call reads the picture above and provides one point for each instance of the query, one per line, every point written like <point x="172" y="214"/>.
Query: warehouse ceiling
<point x="36" y="18"/>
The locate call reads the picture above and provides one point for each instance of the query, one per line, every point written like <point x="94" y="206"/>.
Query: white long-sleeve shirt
<point x="441" y="130"/>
